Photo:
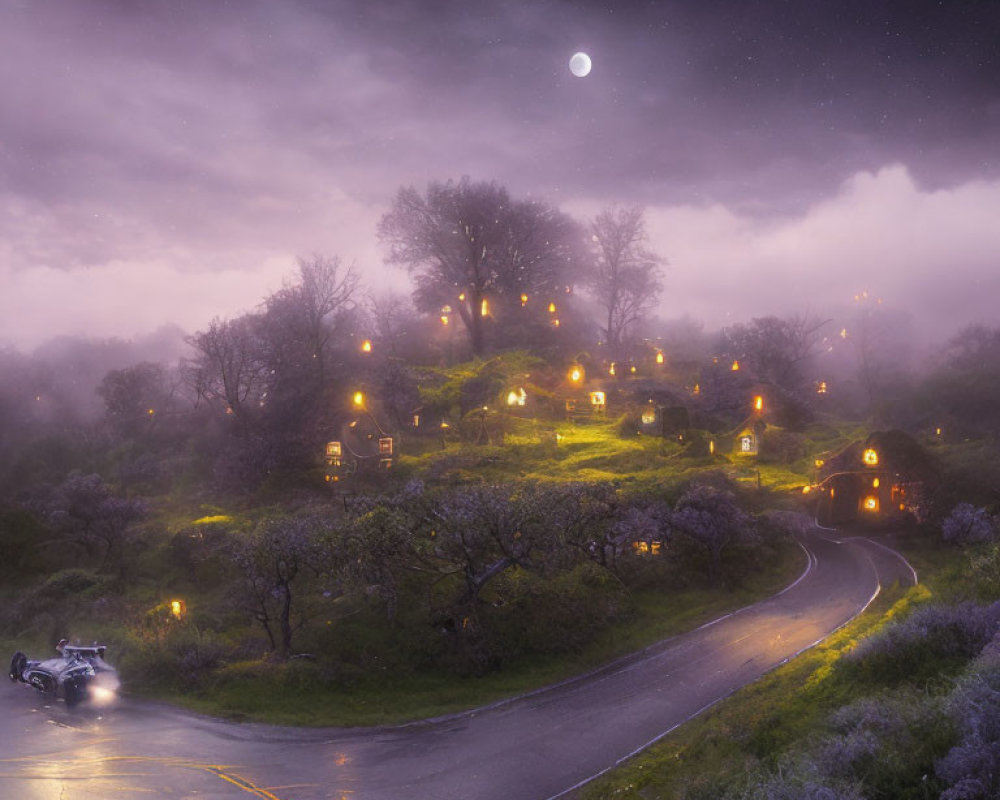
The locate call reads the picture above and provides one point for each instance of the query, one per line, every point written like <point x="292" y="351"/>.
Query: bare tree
<point x="779" y="351"/>
<point x="390" y="318"/>
<point x="625" y="277"/>
<point x="229" y="367"/>
<point x="302" y="319"/>
<point x="468" y="242"/>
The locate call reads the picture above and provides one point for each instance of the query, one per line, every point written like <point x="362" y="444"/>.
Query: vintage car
<point x="78" y="673"/>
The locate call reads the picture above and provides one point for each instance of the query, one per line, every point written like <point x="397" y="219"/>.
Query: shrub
<point x="967" y="524"/>
<point x="931" y="640"/>
<point x="971" y="769"/>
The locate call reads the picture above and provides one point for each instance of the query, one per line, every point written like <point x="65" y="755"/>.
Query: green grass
<point x="298" y="694"/>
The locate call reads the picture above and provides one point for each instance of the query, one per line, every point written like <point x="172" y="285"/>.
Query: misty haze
<point x="500" y="400"/>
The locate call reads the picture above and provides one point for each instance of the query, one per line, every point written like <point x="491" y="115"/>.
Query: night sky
<point x="166" y="161"/>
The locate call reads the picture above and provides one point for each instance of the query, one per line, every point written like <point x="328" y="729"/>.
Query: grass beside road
<point x="296" y="694"/>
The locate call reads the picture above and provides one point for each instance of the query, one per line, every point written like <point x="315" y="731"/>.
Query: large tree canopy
<point x="468" y="242"/>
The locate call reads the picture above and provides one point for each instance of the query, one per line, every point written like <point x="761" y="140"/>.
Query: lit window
<point x="333" y="449"/>
<point x="597" y="399"/>
<point x="385" y="445"/>
<point x="736" y="366"/>
<point x="517" y="397"/>
<point x="870" y="456"/>
<point x="648" y="415"/>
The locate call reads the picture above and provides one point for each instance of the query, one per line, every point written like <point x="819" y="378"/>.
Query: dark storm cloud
<point x="211" y="142"/>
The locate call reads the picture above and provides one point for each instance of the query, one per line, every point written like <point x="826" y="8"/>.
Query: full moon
<point x="579" y="65"/>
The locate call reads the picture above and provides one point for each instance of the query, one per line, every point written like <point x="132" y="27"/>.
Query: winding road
<point x="536" y="747"/>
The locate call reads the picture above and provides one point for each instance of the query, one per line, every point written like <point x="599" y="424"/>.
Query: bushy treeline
<point x="465" y="578"/>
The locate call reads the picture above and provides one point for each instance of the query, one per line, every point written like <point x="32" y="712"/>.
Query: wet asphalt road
<point x="532" y="748"/>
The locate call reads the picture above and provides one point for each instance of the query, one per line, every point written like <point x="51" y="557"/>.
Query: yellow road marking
<point x="218" y="770"/>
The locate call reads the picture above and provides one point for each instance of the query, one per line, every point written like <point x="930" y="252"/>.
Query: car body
<point x="78" y="673"/>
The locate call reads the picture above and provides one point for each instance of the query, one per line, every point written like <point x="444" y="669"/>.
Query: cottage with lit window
<point x="879" y="480"/>
<point x="363" y="446"/>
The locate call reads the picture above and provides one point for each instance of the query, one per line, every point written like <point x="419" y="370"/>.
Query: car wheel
<point x="17" y="665"/>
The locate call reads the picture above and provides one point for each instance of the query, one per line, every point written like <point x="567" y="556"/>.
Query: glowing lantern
<point x="484" y="308"/>
<point x="697" y="389"/>
<point x="659" y="356"/>
<point x="870" y="503"/>
<point x="177" y="609"/>
<point x="150" y="412"/>
<point x="843" y="333"/>
<point x="758" y="403"/>
<point x="444" y="320"/>
<point x="937" y="431"/>
<point x="524" y="299"/>
<point x="552" y="308"/>
<point x="366" y="346"/>
<point x="359" y="399"/>
<point x="870" y="457"/>
<point x="711" y="447"/>
<point x="875" y="483"/>
<point x="611" y="369"/>
<point x="821" y="387"/>
<point x="736" y="366"/>
<point x="632" y="369"/>
<point x="649" y="415"/>
<point x="819" y="462"/>
<point x="462" y="296"/>
<point x="555" y="323"/>
<point x="576" y="374"/>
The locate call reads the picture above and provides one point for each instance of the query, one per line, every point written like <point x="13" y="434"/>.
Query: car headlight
<point x="103" y="689"/>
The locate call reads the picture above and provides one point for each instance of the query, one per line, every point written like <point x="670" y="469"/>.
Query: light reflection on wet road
<point x="530" y="748"/>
